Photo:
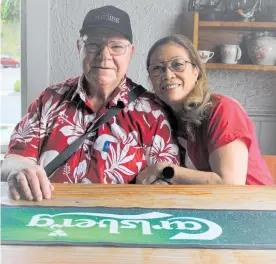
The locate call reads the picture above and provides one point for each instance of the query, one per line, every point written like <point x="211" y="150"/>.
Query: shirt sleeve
<point x="228" y="122"/>
<point x="161" y="145"/>
<point x="25" y="139"/>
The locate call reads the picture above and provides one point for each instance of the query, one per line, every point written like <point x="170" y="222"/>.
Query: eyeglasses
<point x="175" y="65"/>
<point x="115" y="47"/>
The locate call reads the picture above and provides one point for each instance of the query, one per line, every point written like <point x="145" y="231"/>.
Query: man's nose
<point x="103" y="51"/>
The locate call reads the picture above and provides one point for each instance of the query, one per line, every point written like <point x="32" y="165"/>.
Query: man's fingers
<point x="45" y="185"/>
<point x="24" y="186"/>
<point x="34" y="184"/>
<point x="14" y="190"/>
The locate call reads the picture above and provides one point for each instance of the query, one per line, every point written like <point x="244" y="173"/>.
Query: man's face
<point x="105" y="56"/>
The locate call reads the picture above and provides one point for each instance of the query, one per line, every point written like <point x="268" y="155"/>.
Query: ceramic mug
<point x="230" y="54"/>
<point x="206" y="55"/>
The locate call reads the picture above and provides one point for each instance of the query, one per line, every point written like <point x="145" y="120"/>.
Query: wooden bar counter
<point x="145" y="196"/>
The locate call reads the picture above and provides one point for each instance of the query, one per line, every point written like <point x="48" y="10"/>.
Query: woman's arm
<point x="231" y="162"/>
<point x="190" y="176"/>
<point x="152" y="173"/>
<point x="228" y="163"/>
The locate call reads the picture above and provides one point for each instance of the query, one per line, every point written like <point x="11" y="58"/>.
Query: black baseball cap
<point x="110" y="17"/>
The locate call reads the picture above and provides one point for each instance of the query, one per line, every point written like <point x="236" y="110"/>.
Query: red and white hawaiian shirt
<point x="136" y="137"/>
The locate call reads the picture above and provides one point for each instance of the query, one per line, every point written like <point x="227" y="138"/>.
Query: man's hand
<point x="152" y="174"/>
<point x="31" y="183"/>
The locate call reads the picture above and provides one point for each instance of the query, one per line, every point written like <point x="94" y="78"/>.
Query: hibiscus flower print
<point x="80" y="171"/>
<point x="74" y="130"/>
<point x="25" y="131"/>
<point x="116" y="164"/>
<point x="160" y="151"/>
<point x="127" y="139"/>
<point x="48" y="116"/>
<point x="141" y="104"/>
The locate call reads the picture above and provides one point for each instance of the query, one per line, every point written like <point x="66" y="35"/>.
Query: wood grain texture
<point x="73" y="255"/>
<point x="271" y="164"/>
<point x="148" y="196"/>
<point x="240" y="67"/>
<point x="157" y="196"/>
<point x="241" y="24"/>
<point x="195" y="33"/>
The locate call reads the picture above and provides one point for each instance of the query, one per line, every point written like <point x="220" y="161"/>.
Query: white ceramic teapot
<point x="262" y="48"/>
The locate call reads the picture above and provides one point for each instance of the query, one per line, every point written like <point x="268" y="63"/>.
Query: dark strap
<point x="72" y="148"/>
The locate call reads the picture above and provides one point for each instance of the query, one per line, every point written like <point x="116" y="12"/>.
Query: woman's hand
<point x="152" y="174"/>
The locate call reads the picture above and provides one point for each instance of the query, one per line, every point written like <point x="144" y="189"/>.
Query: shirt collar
<point x="80" y="90"/>
<point x="119" y="94"/>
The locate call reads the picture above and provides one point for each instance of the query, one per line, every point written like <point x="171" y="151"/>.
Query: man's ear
<point x="79" y="45"/>
<point x="132" y="50"/>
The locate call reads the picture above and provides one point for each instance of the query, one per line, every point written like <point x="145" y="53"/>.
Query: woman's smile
<point x="170" y="86"/>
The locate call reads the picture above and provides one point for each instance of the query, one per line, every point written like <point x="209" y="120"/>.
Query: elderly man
<point x="119" y="148"/>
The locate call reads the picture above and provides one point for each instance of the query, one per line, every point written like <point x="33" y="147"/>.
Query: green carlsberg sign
<point x="138" y="227"/>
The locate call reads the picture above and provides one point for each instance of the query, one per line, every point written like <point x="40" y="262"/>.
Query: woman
<point x="217" y="136"/>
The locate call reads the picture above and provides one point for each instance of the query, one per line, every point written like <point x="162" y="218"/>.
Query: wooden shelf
<point x="235" y="24"/>
<point x="240" y="67"/>
<point x="231" y="32"/>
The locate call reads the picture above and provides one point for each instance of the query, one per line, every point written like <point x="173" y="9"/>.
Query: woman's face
<point x="171" y="74"/>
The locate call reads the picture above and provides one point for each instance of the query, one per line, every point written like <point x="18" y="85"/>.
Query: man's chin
<point x="98" y="74"/>
<point x="101" y="70"/>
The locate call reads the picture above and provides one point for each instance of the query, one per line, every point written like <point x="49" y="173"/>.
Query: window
<point x="10" y="84"/>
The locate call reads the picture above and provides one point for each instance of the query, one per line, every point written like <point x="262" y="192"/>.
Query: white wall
<point x="53" y="28"/>
<point x="150" y="19"/>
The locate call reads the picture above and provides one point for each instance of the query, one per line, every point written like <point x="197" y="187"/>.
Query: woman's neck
<point x="176" y="107"/>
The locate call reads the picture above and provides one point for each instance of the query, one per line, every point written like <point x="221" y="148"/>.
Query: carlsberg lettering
<point x="148" y="224"/>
